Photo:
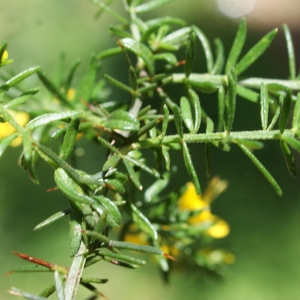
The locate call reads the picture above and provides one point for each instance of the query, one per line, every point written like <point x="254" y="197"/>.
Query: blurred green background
<point x="264" y="227"/>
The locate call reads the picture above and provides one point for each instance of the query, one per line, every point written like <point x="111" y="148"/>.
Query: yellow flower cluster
<point x="190" y="201"/>
<point x="6" y="129"/>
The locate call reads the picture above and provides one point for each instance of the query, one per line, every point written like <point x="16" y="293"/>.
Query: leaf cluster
<point x="125" y="128"/>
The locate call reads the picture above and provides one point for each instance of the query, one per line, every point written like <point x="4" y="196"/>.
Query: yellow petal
<point x="71" y="94"/>
<point x="203" y="216"/>
<point x="4" y="56"/>
<point x="220" y="229"/>
<point x="6" y="129"/>
<point x="189" y="200"/>
<point x="21" y="117"/>
<point x="215" y="187"/>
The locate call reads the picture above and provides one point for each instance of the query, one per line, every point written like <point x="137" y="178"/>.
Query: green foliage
<point x="97" y="202"/>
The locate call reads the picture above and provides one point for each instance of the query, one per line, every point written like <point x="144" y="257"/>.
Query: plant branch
<point x="75" y="272"/>
<point x="215" y="137"/>
<point x="250" y="82"/>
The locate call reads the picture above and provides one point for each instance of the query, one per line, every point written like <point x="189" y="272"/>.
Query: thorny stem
<point x="250" y="82"/>
<point x="215" y="137"/>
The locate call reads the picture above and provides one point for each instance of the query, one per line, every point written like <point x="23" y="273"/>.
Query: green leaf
<point x="111" y="162"/>
<point x="91" y="288"/>
<point x="196" y="108"/>
<point x="27" y="146"/>
<point x="247" y="94"/>
<point x="276" y="88"/>
<point x="108" y="146"/>
<point x="136" y="247"/>
<point x="122" y="120"/>
<point x="18" y="78"/>
<point x="208" y="159"/>
<point x="219" y="63"/>
<point x="209" y="125"/>
<point x="176" y="38"/>
<point x="221" y="108"/>
<point x="48" y="291"/>
<point x="132" y="174"/>
<point x="190" y="168"/>
<point x="52" y="219"/>
<point x="5" y="142"/>
<point x="120" y="257"/>
<point x="296" y="114"/>
<point x="178" y="120"/>
<point x="204" y="86"/>
<point x="133" y="79"/>
<point x="165" y="20"/>
<point x="53" y="88"/>
<point x="119" y="32"/>
<point x="262" y="169"/>
<point x="142" y="221"/>
<point x="85" y="86"/>
<point x="289" y="158"/>
<point x="293" y="143"/>
<point x="140" y="50"/>
<point x="93" y="280"/>
<point x="112" y="12"/>
<point x="150" y="5"/>
<point x="230" y="100"/>
<point x="186" y="113"/>
<point x="145" y="129"/>
<point x="275" y="117"/>
<point x="285" y="111"/>
<point x="114" y="216"/>
<point x="29" y="166"/>
<point x="206" y="47"/>
<point x="21" y="99"/>
<point x="291" y="51"/>
<point x="264" y="106"/>
<point x="51" y="117"/>
<point x="255" y="52"/>
<point x="119" y="84"/>
<point x="142" y="166"/>
<point x="71" y="73"/>
<point x="166" y="155"/>
<point x="16" y="292"/>
<point x="75" y="234"/>
<point x="250" y="144"/>
<point x="237" y="46"/>
<point x="29" y="269"/>
<point x="59" y="286"/>
<point x="190" y="55"/>
<point x="75" y="194"/>
<point x="154" y="189"/>
<point x="168" y="57"/>
<point x="69" y="139"/>
<point x="109" y="52"/>
<point x="166" y="120"/>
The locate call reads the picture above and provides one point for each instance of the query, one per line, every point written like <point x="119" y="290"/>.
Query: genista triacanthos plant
<point x="174" y="227"/>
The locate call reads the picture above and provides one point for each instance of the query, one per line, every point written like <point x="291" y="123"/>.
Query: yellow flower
<point x="4" y="56"/>
<point x="71" y="94"/>
<point x="6" y="129"/>
<point x="190" y="201"/>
